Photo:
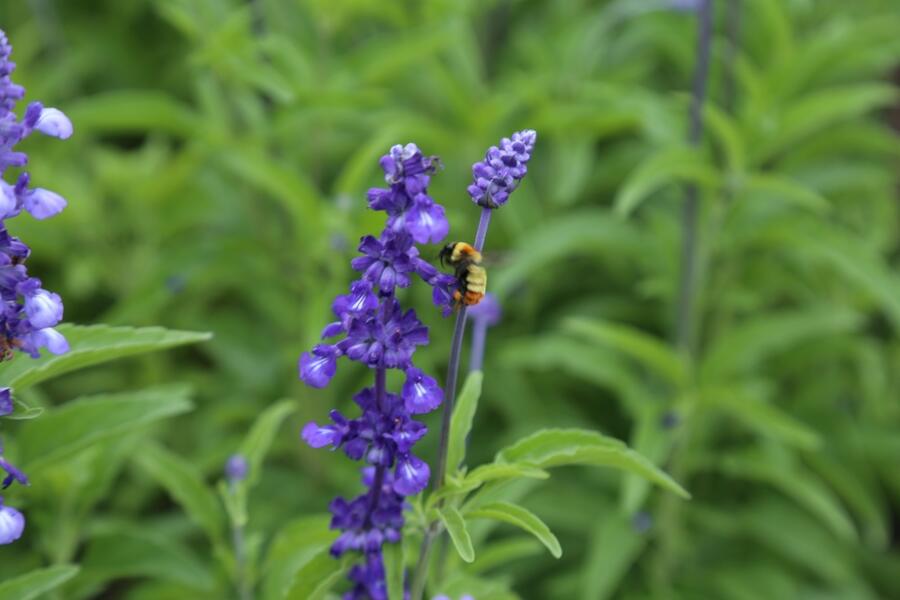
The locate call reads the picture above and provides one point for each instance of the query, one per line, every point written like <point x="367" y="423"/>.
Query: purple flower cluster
<point x="375" y="330"/>
<point x="28" y="312"/>
<point x="502" y="169"/>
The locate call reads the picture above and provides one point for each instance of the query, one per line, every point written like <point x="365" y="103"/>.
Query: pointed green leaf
<point x="520" y="517"/>
<point x="62" y="431"/>
<point x="185" y="484"/>
<point x="92" y="345"/>
<point x="558" y="447"/>
<point x="296" y="544"/>
<point x="494" y="471"/>
<point x="456" y="527"/>
<point x="259" y="438"/>
<point x="646" y="349"/>
<point x="36" y="583"/>
<point x="316" y="578"/>
<point x="661" y="169"/>
<point x="461" y="423"/>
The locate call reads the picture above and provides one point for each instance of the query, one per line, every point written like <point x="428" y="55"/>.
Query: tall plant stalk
<point x="459" y="330"/>
<point x="688" y="284"/>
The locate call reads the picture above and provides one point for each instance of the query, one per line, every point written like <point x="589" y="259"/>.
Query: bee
<point x="471" y="277"/>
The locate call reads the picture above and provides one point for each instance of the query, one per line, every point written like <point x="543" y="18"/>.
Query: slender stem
<point x="483" y="224"/>
<point x="685" y="310"/>
<point x="459" y="329"/>
<point x="240" y="554"/>
<point x="450" y="396"/>
<point x="685" y="327"/>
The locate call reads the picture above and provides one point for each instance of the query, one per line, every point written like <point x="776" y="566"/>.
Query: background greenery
<point x="216" y="183"/>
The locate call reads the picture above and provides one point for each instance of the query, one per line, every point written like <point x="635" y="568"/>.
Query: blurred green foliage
<point x="216" y="183"/>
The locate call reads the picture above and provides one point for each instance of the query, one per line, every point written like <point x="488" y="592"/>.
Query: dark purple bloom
<point x="12" y="472"/>
<point x="502" y="169"/>
<point x="6" y="403"/>
<point x="236" y="468"/>
<point x="390" y="337"/>
<point x="421" y="393"/>
<point x="12" y="523"/>
<point x="411" y="475"/>
<point x="317" y="368"/>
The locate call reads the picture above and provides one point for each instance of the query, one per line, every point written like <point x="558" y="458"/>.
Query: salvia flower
<point x="372" y="328"/>
<point x="502" y="169"/>
<point x="12" y="523"/>
<point x="6" y="403"/>
<point x="28" y="312"/>
<point x="236" y="468"/>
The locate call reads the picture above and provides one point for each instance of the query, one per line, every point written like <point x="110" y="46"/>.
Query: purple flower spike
<point x="378" y="333"/>
<point x="27" y="312"/>
<point x="421" y="393"/>
<point x="502" y="169"/>
<point x="12" y="524"/>
<point x="6" y="403"/>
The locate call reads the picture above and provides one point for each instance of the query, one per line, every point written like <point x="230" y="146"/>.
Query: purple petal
<point x="426" y="221"/>
<point x="6" y="403"/>
<point x="421" y="393"/>
<point x="8" y="202"/>
<point x="320" y="436"/>
<point x="317" y="368"/>
<point x="55" y="123"/>
<point x="43" y="204"/>
<point x="44" y="309"/>
<point x="12" y="524"/>
<point x="411" y="475"/>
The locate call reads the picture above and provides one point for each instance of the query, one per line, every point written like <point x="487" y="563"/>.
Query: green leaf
<point x="121" y="550"/>
<point x="804" y="489"/>
<point x="316" y="578"/>
<point x="34" y="584"/>
<point x="577" y="233"/>
<point x="520" y="517"/>
<point x="259" y="439"/>
<point x="456" y="527"/>
<point x="461" y="423"/>
<point x="494" y="471"/>
<point x="783" y="189"/>
<point x="642" y="347"/>
<point x="661" y="169"/>
<point x="392" y="555"/>
<point x="63" y="431"/>
<point x="297" y="543"/>
<point x="92" y="345"/>
<point x="743" y="347"/>
<point x="138" y="111"/>
<point x="616" y="545"/>
<point x="557" y="447"/>
<point x="762" y="416"/>
<point x="185" y="484"/>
